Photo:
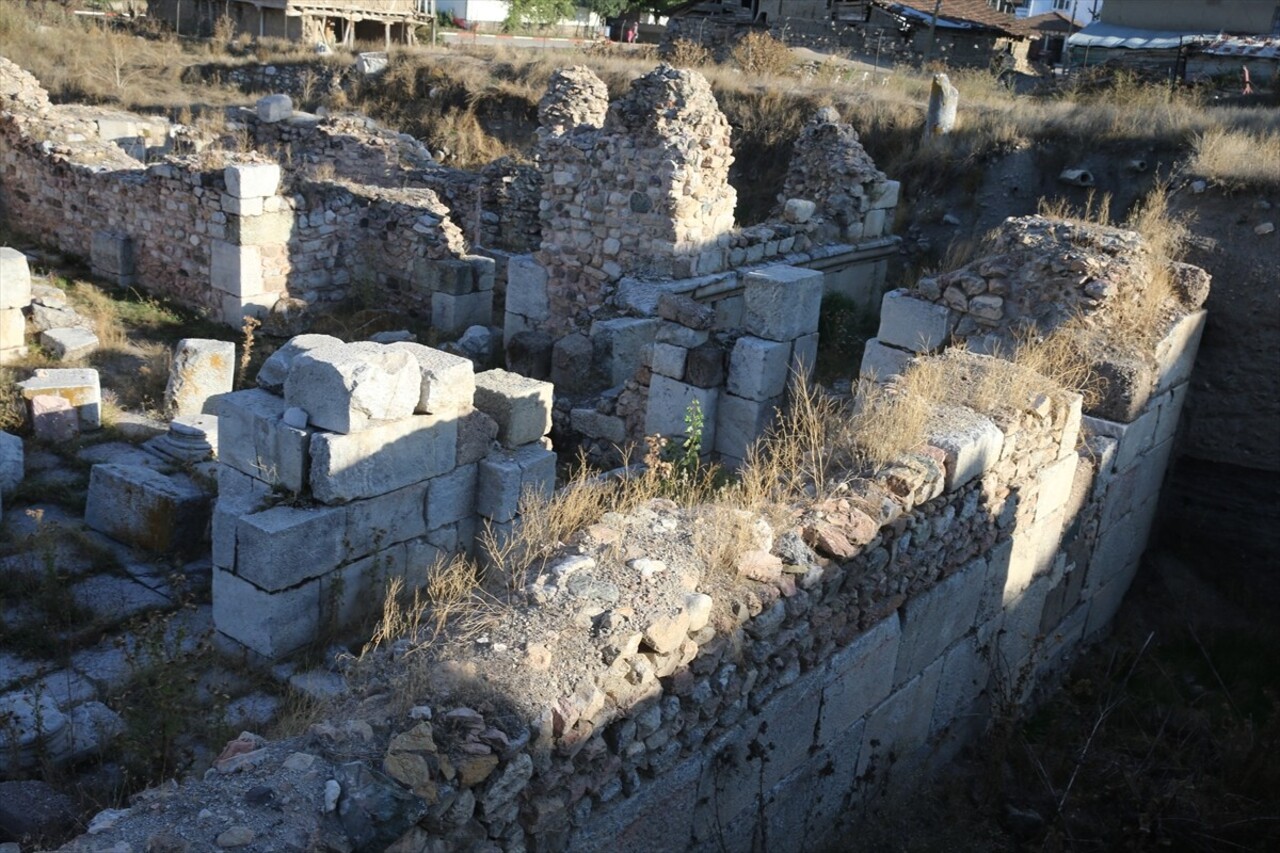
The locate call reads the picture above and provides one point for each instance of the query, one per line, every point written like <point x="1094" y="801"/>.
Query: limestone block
<point x="521" y="406"/>
<point x="1106" y="600"/>
<point x="972" y="443"/>
<point x="881" y="362"/>
<point x="15" y="281"/>
<point x="874" y="224"/>
<point x="884" y="196"/>
<point x="593" y="424"/>
<point x="798" y="210"/>
<point x="275" y="369"/>
<point x="451" y="497"/>
<point x="382" y="458"/>
<point x="572" y="367"/>
<point x="236" y="270"/>
<point x="421" y="558"/>
<point x="527" y="288"/>
<point x="252" y="180"/>
<point x="1034" y="548"/>
<point x="912" y="324"/>
<point x="236" y="308"/>
<point x="346" y="388"/>
<point x="484" y="271"/>
<point x="448" y="381"/>
<point x="274" y="108"/>
<point x="357" y="590"/>
<point x="900" y="724"/>
<point x="782" y="302"/>
<point x="668" y="360"/>
<point x="141" y="507"/>
<point x="704" y="365"/>
<point x="269" y="228"/>
<point x="201" y="369"/>
<point x="943" y="102"/>
<point x="455" y="314"/>
<point x="254" y="439"/>
<point x="77" y="385"/>
<point x="1170" y="411"/>
<point x="1072" y="423"/>
<point x="804" y="358"/>
<point x="476" y="435"/>
<point x="623" y="341"/>
<point x="271" y="624"/>
<point x="681" y="336"/>
<point x="1020" y="630"/>
<point x="111" y="256"/>
<point x="669" y="400"/>
<point x="739" y="422"/>
<point x="242" y="206"/>
<point x="1132" y="439"/>
<point x="1053" y="486"/>
<point x="13" y="329"/>
<point x="282" y="546"/>
<point x="11" y="463"/>
<point x="758" y="368"/>
<point x="53" y="421"/>
<point x="69" y="344"/>
<point x="860" y="676"/>
<point x="505" y="477"/>
<point x="966" y="674"/>
<point x="932" y="621"/>
<point x="238" y="495"/>
<point x="1176" y="353"/>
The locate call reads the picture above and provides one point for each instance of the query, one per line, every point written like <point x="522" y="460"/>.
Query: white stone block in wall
<point x="932" y="621"/>
<point x="1132" y="439"/>
<point x="971" y="441"/>
<point x="521" y="406"/>
<point x="275" y="369"/>
<point x="899" y="725"/>
<point x="200" y="369"/>
<point x="881" y="362"/>
<point x="77" y="385"/>
<point x="1020" y="629"/>
<point x="454" y="314"/>
<point x="282" y="546"/>
<point x="669" y="401"/>
<point x="139" y="506"/>
<point x="875" y="224"/>
<point x="252" y="180"/>
<point x="884" y="196"/>
<point x="346" y="388"/>
<point x="271" y="624"/>
<point x="238" y="495"/>
<point x="625" y="339"/>
<point x="451" y="497"/>
<point x="242" y="206"/>
<point x="668" y="360"/>
<point x="1053" y="487"/>
<point x="11" y="463"/>
<point x="15" y="282"/>
<point x="1034" y="549"/>
<point x="13" y="330"/>
<point x="506" y="476"/>
<point x="782" y="302"/>
<point x="357" y="590"/>
<point x="376" y="523"/>
<point x="758" y="368"/>
<point x="111" y="256"/>
<point x="270" y="228"/>
<point x="236" y="308"/>
<point x="69" y="344"/>
<point x="420" y="559"/>
<point x="236" y="270"/>
<point x="739" y="422"/>
<point x="448" y="381"/>
<point x="527" y="288"/>
<point x="1071" y="426"/>
<point x="1170" y="411"/>
<point x="966" y="673"/>
<point x="804" y="357"/>
<point x="382" y="458"/>
<point x="1176" y="354"/>
<point x="274" y="108"/>
<point x="913" y="324"/>
<point x="860" y="676"/>
<point x="254" y="439"/>
<point x="484" y="271"/>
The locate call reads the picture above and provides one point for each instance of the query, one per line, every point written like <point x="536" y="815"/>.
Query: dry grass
<point x="686" y="53"/>
<point x="1237" y="158"/>
<point x="760" y="53"/>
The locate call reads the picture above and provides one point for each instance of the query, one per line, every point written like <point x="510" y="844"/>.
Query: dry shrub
<point x="465" y="142"/>
<point x="759" y="52"/>
<point x="722" y="533"/>
<point x="1237" y="158"/>
<point x="687" y="53"/>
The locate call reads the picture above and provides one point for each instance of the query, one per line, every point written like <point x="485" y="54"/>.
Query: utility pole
<point x="933" y="27"/>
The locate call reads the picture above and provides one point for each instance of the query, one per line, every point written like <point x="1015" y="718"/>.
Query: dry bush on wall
<point x="760" y="53"/>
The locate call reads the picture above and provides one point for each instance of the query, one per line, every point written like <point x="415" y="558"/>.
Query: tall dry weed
<point x="1237" y="158"/>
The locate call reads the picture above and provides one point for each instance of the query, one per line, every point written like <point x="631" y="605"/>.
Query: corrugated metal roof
<point x="1100" y="34"/>
<point x="1252" y="47"/>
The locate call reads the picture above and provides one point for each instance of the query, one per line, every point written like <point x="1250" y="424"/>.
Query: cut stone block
<point x="274" y="108"/>
<point x="452" y="276"/>
<point x="758" y="368"/>
<point x="271" y="624"/>
<point x="622" y="342"/>
<point x="913" y="324"/>
<point x="275" y="370"/>
<point x="899" y="725"/>
<point x="141" y="507"/>
<point x="111" y="256"/>
<point x="1126" y="385"/>
<point x="69" y="344"/>
<point x="379" y="522"/>
<point x="527" y="288"/>
<point x="881" y="362"/>
<point x="593" y="424"/>
<point x="254" y="439"/>
<point x="804" y="358"/>
<point x="506" y="476"/>
<point x="267" y="229"/>
<point x="453" y="315"/>
<point x="201" y="368"/>
<point x="1176" y="354"/>
<point x="11" y="463"/>
<point x="521" y="406"/>
<point x="238" y="495"/>
<point x="476" y="436"/>
<point x="933" y="620"/>
<point x="357" y="590"/>
<point x="448" y="381"/>
<point x="861" y="675"/>
<point x="669" y="400"/>
<point x="884" y="196"/>
<point x="1133" y="439"/>
<point x="252" y="180"/>
<point x="282" y="546"/>
<point x="782" y="302"/>
<point x="15" y="281"/>
<point x="13" y="330"/>
<point x="972" y="443"/>
<point x="451" y="497"/>
<point x="381" y="459"/>
<point x="345" y="388"/>
<point x="53" y="420"/>
<point x="668" y="360"/>
<point x="236" y="270"/>
<point x="236" y="308"/>
<point x="1053" y="486"/>
<point x="740" y="422"/>
<point x="484" y="271"/>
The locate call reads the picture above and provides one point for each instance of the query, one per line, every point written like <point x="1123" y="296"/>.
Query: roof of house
<point x="1100" y="34"/>
<point x="1050" y="23"/>
<point x="956" y="14"/>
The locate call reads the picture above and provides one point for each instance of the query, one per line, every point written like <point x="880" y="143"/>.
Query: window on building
<point x="1062" y="5"/>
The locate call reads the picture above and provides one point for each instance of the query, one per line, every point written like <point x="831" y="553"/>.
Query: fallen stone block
<point x="274" y="108"/>
<point x="271" y="624"/>
<point x="254" y="439"/>
<point x="69" y="344"/>
<point x="382" y="458"/>
<point x="53" y="420"/>
<point x="275" y="370"/>
<point x="201" y="369"/>
<point x="448" y="381"/>
<point x="141" y="507"/>
<point x="881" y="362"/>
<point x="782" y="302"/>
<point x="13" y="330"/>
<point x="507" y="476"/>
<point x="346" y="388"/>
<point x="758" y="368"/>
<point x="913" y="324"/>
<point x="252" y="180"/>
<point x="521" y="406"/>
<point x="11" y="463"/>
<point x="283" y="546"/>
<point x="15" y="280"/>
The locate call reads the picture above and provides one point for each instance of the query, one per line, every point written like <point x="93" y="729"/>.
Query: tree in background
<point x="541" y="13"/>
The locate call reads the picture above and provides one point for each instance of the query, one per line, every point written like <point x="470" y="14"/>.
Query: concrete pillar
<point x="386" y="35"/>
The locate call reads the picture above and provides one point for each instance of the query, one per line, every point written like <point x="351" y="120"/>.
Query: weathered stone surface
<point x="271" y="624"/>
<point x="506" y="476"/>
<point x="670" y="400"/>
<point x="11" y="463"/>
<point x="740" y="422"/>
<point x="282" y="546"/>
<point x="782" y="302"/>
<point x="758" y="368"/>
<point x="453" y="315"/>
<point x="944" y="100"/>
<point x="15" y="281"/>
<point x="451" y="497"/>
<point x="520" y="406"/>
<point x="382" y="458"/>
<point x="476" y="435"/>
<point x="685" y="310"/>
<point x="69" y="344"/>
<point x="972" y="443"/>
<point x="53" y="420"/>
<point x="144" y="508"/>
<point x="275" y="369"/>
<point x="273" y="108"/>
<point x="704" y="365"/>
<point x="529" y="354"/>
<point x="345" y="388"/>
<point x="912" y="324"/>
<point x="448" y="381"/>
<point x="881" y="362"/>
<point x="933" y="621"/>
<point x="78" y="386"/>
<point x="31" y="808"/>
<point x="254" y="439"/>
<point x="201" y="369"/>
<point x="860" y="675"/>
<point x="620" y="344"/>
<point x="527" y="288"/>
<point x="252" y="180"/>
<point x="13" y="330"/>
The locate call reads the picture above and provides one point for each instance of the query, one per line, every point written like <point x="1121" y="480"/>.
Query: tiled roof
<point x="975" y="12"/>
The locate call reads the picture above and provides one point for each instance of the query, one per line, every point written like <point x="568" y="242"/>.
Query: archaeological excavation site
<point x="356" y="496"/>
